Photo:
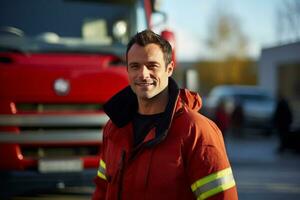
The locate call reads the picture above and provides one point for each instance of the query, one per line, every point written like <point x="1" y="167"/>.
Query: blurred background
<point x="243" y="57"/>
<point x="58" y="60"/>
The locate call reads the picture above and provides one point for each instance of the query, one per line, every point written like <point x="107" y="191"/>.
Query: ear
<point x="170" y="68"/>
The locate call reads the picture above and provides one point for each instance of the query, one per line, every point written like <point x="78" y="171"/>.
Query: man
<point x="282" y="120"/>
<point x="156" y="145"/>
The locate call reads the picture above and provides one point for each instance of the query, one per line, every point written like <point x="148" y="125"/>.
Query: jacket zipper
<point x="121" y="174"/>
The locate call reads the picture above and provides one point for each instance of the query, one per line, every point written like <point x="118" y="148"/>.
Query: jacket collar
<point x="122" y="107"/>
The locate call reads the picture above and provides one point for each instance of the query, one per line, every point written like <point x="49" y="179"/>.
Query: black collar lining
<point x="122" y="107"/>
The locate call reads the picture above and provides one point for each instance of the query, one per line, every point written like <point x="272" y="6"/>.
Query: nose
<point x="144" y="72"/>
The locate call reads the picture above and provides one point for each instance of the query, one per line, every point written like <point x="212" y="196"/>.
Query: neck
<point x="154" y="105"/>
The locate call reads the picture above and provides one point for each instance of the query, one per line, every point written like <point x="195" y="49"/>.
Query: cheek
<point x="131" y="82"/>
<point x="163" y="79"/>
<point x="131" y="76"/>
<point x="165" y="75"/>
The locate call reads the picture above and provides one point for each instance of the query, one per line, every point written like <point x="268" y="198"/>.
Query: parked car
<point x="257" y="105"/>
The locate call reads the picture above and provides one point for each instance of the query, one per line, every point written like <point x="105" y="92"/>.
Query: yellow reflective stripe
<point x="216" y="190"/>
<point x="210" y="178"/>
<point x="102" y="170"/>
<point x="213" y="184"/>
<point x="101" y="175"/>
<point x="102" y="164"/>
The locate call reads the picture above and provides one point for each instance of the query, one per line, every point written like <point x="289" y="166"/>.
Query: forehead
<point x="150" y="52"/>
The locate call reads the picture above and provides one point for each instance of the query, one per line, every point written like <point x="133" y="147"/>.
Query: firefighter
<point x="156" y="145"/>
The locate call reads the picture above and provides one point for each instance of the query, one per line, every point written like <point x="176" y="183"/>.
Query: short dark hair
<point x="146" y="37"/>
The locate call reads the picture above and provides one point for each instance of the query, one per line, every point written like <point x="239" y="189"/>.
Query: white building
<point x="279" y="72"/>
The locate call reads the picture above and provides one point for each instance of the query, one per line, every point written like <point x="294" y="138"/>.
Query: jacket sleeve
<point x="209" y="171"/>
<point x="101" y="180"/>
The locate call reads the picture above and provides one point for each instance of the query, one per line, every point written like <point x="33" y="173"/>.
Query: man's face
<point x="147" y="71"/>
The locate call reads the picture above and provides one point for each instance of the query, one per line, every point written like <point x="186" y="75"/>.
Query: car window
<point x="252" y="97"/>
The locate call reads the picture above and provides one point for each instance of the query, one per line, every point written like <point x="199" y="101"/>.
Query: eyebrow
<point x="133" y="63"/>
<point x="153" y="62"/>
<point x="137" y="63"/>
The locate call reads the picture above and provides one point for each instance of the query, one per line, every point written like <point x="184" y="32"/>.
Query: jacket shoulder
<point x="194" y="117"/>
<point x="200" y="127"/>
<point x="109" y="128"/>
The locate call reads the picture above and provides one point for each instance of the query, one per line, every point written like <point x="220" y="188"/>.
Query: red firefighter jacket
<point x="182" y="158"/>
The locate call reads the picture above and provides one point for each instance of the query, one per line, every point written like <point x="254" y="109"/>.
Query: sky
<point x="189" y="20"/>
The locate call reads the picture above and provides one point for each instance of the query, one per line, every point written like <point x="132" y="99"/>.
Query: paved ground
<point x="260" y="172"/>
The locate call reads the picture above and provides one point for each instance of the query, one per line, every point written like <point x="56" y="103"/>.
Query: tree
<point x="226" y="38"/>
<point x="288" y="21"/>
<point x="229" y="44"/>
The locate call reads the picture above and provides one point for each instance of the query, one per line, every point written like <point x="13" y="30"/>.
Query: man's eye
<point x="134" y="66"/>
<point x="151" y="66"/>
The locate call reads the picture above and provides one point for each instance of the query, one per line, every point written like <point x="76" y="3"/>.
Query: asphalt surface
<point x="260" y="172"/>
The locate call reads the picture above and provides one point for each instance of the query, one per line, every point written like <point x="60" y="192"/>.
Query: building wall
<point x="279" y="71"/>
<point x="271" y="59"/>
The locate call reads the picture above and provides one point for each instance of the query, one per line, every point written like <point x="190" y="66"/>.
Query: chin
<point x="145" y="96"/>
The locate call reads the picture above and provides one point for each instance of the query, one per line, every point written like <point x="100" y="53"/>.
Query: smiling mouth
<point x="144" y="83"/>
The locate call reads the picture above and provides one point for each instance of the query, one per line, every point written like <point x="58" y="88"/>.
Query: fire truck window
<point x="96" y="30"/>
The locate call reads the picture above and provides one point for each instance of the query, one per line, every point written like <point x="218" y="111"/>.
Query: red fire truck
<point x="60" y="60"/>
